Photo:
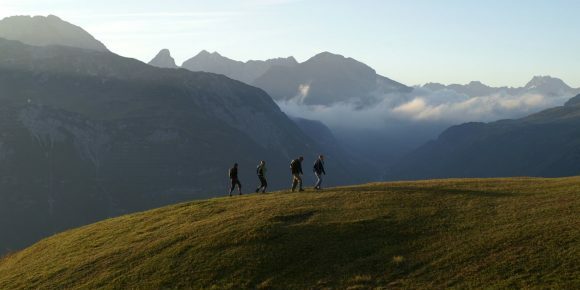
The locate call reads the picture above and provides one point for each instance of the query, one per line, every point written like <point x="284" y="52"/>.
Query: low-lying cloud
<point x="421" y="106"/>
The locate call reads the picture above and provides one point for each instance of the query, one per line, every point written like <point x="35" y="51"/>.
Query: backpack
<point x="293" y="164"/>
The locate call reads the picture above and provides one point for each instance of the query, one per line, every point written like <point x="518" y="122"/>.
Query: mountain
<point x="543" y="85"/>
<point x="49" y="30"/>
<point x="549" y="86"/>
<point x="327" y="79"/>
<point x="87" y="135"/>
<point x="542" y="144"/>
<point x="324" y="79"/>
<point x="473" y="89"/>
<point x="246" y="72"/>
<point x="163" y="60"/>
<point x="480" y="233"/>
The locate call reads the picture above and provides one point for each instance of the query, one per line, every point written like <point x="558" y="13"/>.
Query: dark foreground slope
<point x="498" y="233"/>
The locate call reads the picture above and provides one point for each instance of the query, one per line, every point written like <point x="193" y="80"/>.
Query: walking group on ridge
<point x="295" y="170"/>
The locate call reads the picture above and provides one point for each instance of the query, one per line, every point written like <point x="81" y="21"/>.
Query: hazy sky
<point x="499" y="42"/>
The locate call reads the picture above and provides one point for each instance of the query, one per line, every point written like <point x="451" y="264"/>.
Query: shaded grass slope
<point x="463" y="233"/>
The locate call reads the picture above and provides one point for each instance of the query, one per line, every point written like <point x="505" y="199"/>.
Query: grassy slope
<point x="432" y="234"/>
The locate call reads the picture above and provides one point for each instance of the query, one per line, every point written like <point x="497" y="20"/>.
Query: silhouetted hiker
<point x="261" y="171"/>
<point x="296" y="168"/>
<point x="318" y="169"/>
<point x="234" y="179"/>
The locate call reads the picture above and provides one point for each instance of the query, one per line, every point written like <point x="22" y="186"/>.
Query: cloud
<point x="303" y="91"/>
<point x="421" y="106"/>
<point x="432" y="106"/>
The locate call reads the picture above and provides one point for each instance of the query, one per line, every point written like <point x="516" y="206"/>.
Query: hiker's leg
<point x="265" y="184"/>
<point x="239" y="187"/>
<point x="294" y="182"/>
<point x="300" y="181"/>
<point x="232" y="186"/>
<point x="319" y="181"/>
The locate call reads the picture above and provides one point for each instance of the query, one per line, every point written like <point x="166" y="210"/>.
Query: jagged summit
<point x="205" y="53"/>
<point x="246" y="72"/>
<point x="546" y="81"/>
<point x="47" y="30"/>
<point x="163" y="59"/>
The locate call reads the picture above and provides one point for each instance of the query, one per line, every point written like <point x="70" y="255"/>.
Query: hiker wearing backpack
<point x="234" y="180"/>
<point x="261" y="172"/>
<point x="296" y="169"/>
<point x="318" y="169"/>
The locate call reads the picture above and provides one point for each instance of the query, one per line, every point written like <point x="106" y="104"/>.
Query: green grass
<point x="472" y="233"/>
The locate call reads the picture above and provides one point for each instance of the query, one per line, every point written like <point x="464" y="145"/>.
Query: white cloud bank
<point x="421" y="106"/>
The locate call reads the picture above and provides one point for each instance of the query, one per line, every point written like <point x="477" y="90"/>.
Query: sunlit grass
<point x="477" y="233"/>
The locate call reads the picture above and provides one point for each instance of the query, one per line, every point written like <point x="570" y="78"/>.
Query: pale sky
<point x="413" y="41"/>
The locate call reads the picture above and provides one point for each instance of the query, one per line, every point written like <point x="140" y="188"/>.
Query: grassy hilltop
<point x="474" y="233"/>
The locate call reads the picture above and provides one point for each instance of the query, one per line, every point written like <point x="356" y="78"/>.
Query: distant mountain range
<point x="543" y="85"/>
<point x="328" y="79"/>
<point x="324" y="79"/>
<point x="542" y="144"/>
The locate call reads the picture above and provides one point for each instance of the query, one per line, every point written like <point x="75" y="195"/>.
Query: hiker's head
<point x="321" y="157"/>
<point x="263" y="162"/>
<point x="300" y="158"/>
<point x="235" y="165"/>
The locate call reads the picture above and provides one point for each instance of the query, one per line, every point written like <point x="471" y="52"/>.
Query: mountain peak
<point x="477" y="83"/>
<point x="205" y="53"/>
<point x="327" y="56"/>
<point x="163" y="59"/>
<point x="546" y="81"/>
<point x="47" y="30"/>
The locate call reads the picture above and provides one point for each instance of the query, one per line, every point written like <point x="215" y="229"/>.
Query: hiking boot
<point x="302" y="189"/>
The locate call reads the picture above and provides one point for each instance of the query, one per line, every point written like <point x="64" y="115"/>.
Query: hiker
<point x="296" y="168"/>
<point x="261" y="171"/>
<point x="234" y="179"/>
<point x="318" y="169"/>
